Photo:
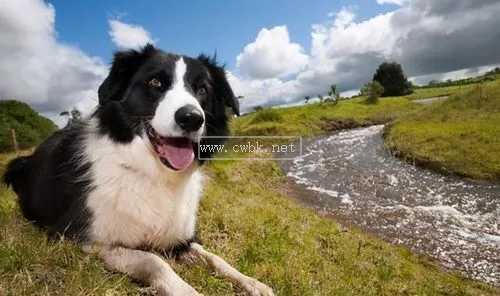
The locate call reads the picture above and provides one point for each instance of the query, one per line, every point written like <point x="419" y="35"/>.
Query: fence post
<point x="14" y="140"/>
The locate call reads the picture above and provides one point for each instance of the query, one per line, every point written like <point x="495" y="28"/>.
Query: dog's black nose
<point x="189" y="118"/>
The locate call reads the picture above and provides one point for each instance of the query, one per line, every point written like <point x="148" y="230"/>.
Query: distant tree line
<point x="488" y="76"/>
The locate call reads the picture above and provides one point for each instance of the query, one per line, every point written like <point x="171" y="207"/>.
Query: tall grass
<point x="459" y="135"/>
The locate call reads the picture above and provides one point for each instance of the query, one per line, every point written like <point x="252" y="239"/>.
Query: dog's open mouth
<point x="175" y="152"/>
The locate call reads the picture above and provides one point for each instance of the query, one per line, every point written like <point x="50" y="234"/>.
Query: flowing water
<point x="349" y="176"/>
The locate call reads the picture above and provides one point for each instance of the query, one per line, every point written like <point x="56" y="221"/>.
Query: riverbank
<point x="457" y="136"/>
<point x="321" y="118"/>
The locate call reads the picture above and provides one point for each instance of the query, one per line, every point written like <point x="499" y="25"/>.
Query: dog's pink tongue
<point x="178" y="152"/>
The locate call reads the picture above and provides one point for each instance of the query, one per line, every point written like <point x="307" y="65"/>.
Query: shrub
<point x="375" y="90"/>
<point x="267" y="115"/>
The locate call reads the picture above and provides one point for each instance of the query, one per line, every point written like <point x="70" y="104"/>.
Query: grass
<point x="423" y="93"/>
<point x="459" y="135"/>
<point x="315" y="119"/>
<point x="446" y="91"/>
<point x="247" y="218"/>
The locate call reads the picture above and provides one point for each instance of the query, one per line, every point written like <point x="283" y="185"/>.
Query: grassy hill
<point x="248" y="218"/>
<point x="31" y="128"/>
<point x="319" y="118"/>
<point x="459" y="135"/>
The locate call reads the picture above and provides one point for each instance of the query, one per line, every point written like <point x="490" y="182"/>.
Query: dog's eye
<point x="201" y="91"/>
<point x="155" y="82"/>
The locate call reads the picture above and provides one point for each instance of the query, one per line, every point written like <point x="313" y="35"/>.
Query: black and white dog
<point x="126" y="180"/>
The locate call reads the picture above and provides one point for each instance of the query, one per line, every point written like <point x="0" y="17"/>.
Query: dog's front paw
<point x="255" y="288"/>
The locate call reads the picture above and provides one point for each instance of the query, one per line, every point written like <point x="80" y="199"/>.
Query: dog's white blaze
<point x="178" y="96"/>
<point x="135" y="199"/>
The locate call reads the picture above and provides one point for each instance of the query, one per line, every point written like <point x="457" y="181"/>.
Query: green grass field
<point x="460" y="135"/>
<point x="247" y="218"/>
<point x="424" y="93"/>
<point x="432" y="92"/>
<point x="315" y="119"/>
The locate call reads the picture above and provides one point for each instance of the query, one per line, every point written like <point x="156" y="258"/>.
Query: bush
<point x="374" y="91"/>
<point x="267" y="115"/>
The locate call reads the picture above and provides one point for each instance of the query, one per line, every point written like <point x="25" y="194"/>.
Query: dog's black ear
<point x="219" y="77"/>
<point x="125" y="64"/>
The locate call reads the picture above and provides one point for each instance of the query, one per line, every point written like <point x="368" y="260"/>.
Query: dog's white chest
<point x="135" y="203"/>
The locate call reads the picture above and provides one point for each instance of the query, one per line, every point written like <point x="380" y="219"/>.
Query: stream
<point x="350" y="177"/>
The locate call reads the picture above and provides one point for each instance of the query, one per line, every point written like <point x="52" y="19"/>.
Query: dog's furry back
<point x="44" y="180"/>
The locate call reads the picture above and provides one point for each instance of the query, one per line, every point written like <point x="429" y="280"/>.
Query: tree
<point x="365" y="90"/>
<point x="307" y="99"/>
<point x="392" y="78"/>
<point x="321" y="99"/>
<point x="74" y="115"/>
<point x="334" y="94"/>
<point x="375" y="91"/>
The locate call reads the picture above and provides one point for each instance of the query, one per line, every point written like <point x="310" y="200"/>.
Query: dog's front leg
<point x="250" y="285"/>
<point x="146" y="267"/>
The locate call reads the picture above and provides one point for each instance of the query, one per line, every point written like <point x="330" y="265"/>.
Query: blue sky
<point x="54" y="54"/>
<point x="190" y="27"/>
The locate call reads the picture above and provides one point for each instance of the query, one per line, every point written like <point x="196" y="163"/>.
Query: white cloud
<point x="429" y="38"/>
<point x="344" y="17"/>
<point x="272" y="54"/>
<point x="38" y="69"/>
<point x="129" y="35"/>
<point x="397" y="2"/>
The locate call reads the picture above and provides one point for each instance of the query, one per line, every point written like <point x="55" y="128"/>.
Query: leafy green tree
<point x="307" y="99"/>
<point x="392" y="78"/>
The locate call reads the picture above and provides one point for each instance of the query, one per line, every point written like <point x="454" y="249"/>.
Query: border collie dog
<point x="126" y="182"/>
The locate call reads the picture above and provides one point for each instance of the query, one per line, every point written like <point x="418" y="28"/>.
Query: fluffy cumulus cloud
<point x="128" y="35"/>
<point x="272" y="54"/>
<point x="38" y="69"/>
<point x="431" y="39"/>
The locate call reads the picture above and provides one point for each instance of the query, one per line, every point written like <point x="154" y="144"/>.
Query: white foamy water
<point x="451" y="219"/>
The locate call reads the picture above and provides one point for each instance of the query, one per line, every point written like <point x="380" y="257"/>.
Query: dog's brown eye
<point x="155" y="82"/>
<point x="201" y="91"/>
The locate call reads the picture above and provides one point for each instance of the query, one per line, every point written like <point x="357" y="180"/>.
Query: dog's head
<point x="168" y="100"/>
